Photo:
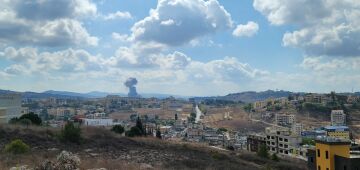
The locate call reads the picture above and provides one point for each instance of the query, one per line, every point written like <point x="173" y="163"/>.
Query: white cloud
<point x="326" y="28"/>
<point x="118" y="15"/>
<point x="45" y="23"/>
<point x="248" y="30"/>
<point x="176" y="22"/>
<point x="120" y="37"/>
<point x="29" y="60"/>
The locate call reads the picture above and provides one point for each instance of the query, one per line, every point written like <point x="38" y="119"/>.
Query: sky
<point x="182" y="47"/>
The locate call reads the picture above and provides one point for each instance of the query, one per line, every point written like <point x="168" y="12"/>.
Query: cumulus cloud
<point x="329" y="28"/>
<point x="120" y="37"/>
<point x="29" y="60"/>
<point x="247" y="30"/>
<point x="45" y="23"/>
<point x="118" y="15"/>
<point x="53" y="9"/>
<point x="176" y="22"/>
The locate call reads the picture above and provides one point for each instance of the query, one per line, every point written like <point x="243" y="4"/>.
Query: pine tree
<point x="158" y="133"/>
<point x="140" y="125"/>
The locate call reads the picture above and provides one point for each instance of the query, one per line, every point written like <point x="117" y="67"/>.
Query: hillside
<point x="103" y="149"/>
<point x="248" y="97"/>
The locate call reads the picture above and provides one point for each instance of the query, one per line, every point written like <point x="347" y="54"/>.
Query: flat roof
<point x="336" y="127"/>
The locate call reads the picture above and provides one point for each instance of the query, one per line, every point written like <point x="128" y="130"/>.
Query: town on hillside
<point x="304" y="126"/>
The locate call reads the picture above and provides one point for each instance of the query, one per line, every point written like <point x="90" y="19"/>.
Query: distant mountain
<point x="74" y="95"/>
<point x="249" y="96"/>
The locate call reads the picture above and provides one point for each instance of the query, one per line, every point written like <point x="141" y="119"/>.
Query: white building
<point x="296" y="129"/>
<point x="338" y="118"/>
<point x="98" y="122"/>
<point x="284" y="119"/>
<point x="10" y="107"/>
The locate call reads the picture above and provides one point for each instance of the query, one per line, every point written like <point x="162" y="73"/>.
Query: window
<point x="327" y="168"/>
<point x="345" y="167"/>
<point x="318" y="152"/>
<point x="285" y="140"/>
<point x="319" y="168"/>
<point x="327" y="154"/>
<point x="311" y="159"/>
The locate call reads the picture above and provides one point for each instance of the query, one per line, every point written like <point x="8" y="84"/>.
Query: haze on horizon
<point x="182" y="47"/>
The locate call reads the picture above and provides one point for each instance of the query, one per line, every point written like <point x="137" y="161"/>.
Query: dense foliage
<point x="118" y="129"/>
<point x="17" y="147"/>
<point x="70" y="133"/>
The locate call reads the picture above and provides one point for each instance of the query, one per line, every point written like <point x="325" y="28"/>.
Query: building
<point x="332" y="154"/>
<point x="281" y="141"/>
<point x="98" y="122"/>
<point x="284" y="119"/>
<point x="10" y="107"/>
<point x="296" y="129"/>
<point x="337" y="132"/>
<point x="255" y="141"/>
<point x="338" y="118"/>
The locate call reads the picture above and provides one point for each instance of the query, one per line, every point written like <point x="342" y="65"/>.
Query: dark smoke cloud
<point x="130" y="83"/>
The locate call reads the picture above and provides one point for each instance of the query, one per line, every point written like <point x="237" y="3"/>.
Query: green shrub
<point x="274" y="157"/>
<point x="263" y="152"/>
<point x="17" y="147"/>
<point x="134" y="131"/>
<point x="70" y="133"/>
<point x="34" y="118"/>
<point x="118" y="129"/>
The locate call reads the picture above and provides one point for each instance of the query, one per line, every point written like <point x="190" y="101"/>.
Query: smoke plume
<point x="130" y="83"/>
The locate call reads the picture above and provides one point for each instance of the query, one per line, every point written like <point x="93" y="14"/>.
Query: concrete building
<point x="341" y="132"/>
<point x="284" y="119"/>
<point x="332" y="154"/>
<point x="10" y="107"/>
<point x="254" y="142"/>
<point x="98" y="122"/>
<point x="338" y="118"/>
<point x="296" y="129"/>
<point x="281" y="141"/>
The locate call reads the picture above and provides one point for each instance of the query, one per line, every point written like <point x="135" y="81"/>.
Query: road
<point x="198" y="114"/>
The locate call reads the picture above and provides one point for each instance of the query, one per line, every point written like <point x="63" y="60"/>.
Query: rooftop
<point x="336" y="127"/>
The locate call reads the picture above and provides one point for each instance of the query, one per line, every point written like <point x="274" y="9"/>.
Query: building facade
<point x="338" y="118"/>
<point x="10" y="107"/>
<point x="284" y="119"/>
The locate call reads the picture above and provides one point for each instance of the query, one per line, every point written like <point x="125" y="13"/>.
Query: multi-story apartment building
<point x="284" y="119"/>
<point x="255" y="141"/>
<point x="341" y="132"/>
<point x="281" y="141"/>
<point x="10" y="107"/>
<point x="296" y="129"/>
<point x="338" y="118"/>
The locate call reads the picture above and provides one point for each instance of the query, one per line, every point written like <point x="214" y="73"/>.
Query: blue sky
<point x="184" y="47"/>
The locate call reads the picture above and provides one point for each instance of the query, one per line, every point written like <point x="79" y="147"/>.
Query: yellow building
<point x="326" y="151"/>
<point x="341" y="132"/>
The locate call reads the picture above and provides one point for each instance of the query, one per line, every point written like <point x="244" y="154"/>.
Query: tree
<point x="158" y="133"/>
<point x="263" y="152"/>
<point x="133" y="132"/>
<point x="25" y="122"/>
<point x="176" y="116"/>
<point x="274" y="157"/>
<point x="14" y="120"/>
<point x="34" y="118"/>
<point x="70" y="133"/>
<point x="140" y="125"/>
<point x="221" y="130"/>
<point x="17" y="147"/>
<point x="118" y="129"/>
